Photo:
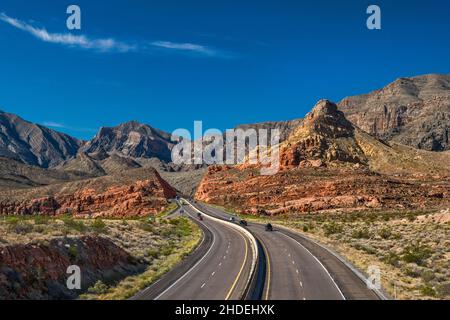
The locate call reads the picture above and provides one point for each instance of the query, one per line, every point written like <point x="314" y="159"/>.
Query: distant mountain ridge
<point x="410" y="111"/>
<point x="34" y="144"/>
<point x="132" y="139"/>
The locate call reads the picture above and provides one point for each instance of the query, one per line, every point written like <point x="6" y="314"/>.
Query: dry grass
<point x="162" y="260"/>
<point x="160" y="243"/>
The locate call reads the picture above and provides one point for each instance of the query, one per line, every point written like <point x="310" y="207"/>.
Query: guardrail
<point x="256" y="253"/>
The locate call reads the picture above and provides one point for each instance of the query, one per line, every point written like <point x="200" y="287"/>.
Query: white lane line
<point x="195" y="266"/>
<point x="220" y="264"/>
<point x="320" y="263"/>
<point x="301" y="284"/>
<point x="203" y="285"/>
<point x="293" y="262"/>
<point x="212" y="274"/>
<point x="224" y="257"/>
<point x="296" y="271"/>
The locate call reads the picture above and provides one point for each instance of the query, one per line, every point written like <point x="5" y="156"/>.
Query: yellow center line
<point x="240" y="271"/>
<point x="266" y="297"/>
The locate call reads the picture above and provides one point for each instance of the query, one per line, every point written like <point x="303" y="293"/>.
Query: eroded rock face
<point x="309" y="190"/>
<point x="324" y="136"/>
<point x="132" y="139"/>
<point x="34" y="144"/>
<point x="328" y="164"/>
<point x="39" y="271"/>
<point x="411" y="111"/>
<point x="139" y="198"/>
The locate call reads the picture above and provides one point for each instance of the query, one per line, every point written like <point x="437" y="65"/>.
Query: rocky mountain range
<point x="355" y="153"/>
<point x="327" y="163"/>
<point x="132" y="139"/>
<point x="411" y="111"/>
<point x="34" y="144"/>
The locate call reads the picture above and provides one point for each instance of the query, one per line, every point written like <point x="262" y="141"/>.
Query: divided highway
<point x="299" y="269"/>
<point x="234" y="262"/>
<point x="219" y="269"/>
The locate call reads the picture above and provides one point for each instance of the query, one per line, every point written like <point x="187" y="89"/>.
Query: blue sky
<point x="167" y="63"/>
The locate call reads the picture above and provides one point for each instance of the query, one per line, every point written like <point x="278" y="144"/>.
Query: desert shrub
<point x="416" y="254"/>
<point x="427" y="290"/>
<point x="361" y="234"/>
<point x="98" y="288"/>
<point x="366" y="248"/>
<point x="73" y="252"/>
<point x="305" y="228"/>
<point x="99" y="226"/>
<point x="12" y="220"/>
<point x="184" y="228"/>
<point x="166" y="232"/>
<point x="166" y="250"/>
<point x="153" y="253"/>
<point x="385" y="233"/>
<point x="70" y="223"/>
<point x="332" y="228"/>
<point x="392" y="258"/>
<point x="428" y="275"/>
<point x="41" y="219"/>
<point x="21" y="227"/>
<point x="443" y="290"/>
<point x="144" y="225"/>
<point x="39" y="229"/>
<point x="411" y="270"/>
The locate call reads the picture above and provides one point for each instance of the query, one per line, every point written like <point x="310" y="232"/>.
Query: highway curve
<point x="219" y="269"/>
<point x="299" y="269"/>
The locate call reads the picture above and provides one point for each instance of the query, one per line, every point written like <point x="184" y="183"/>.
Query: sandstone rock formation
<point x="39" y="271"/>
<point x="326" y="164"/>
<point x="133" y="193"/>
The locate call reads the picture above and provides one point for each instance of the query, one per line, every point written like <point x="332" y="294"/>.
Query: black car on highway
<point x="243" y="223"/>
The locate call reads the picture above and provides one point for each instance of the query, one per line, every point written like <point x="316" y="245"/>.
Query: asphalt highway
<point x="299" y="269"/>
<point x="219" y="269"/>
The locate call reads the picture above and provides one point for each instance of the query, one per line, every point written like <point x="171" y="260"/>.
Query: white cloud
<point x="68" y="39"/>
<point x="190" y="47"/>
<point x="58" y="125"/>
<point x="110" y="44"/>
<point x="53" y="124"/>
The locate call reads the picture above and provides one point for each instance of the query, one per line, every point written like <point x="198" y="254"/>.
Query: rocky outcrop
<point x="328" y="164"/>
<point x="34" y="144"/>
<point x="98" y="163"/>
<point x="111" y="196"/>
<point x="325" y="136"/>
<point x="132" y="139"/>
<point x="411" y="111"/>
<point x="285" y="127"/>
<point x="39" y="271"/>
<point x="309" y="190"/>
